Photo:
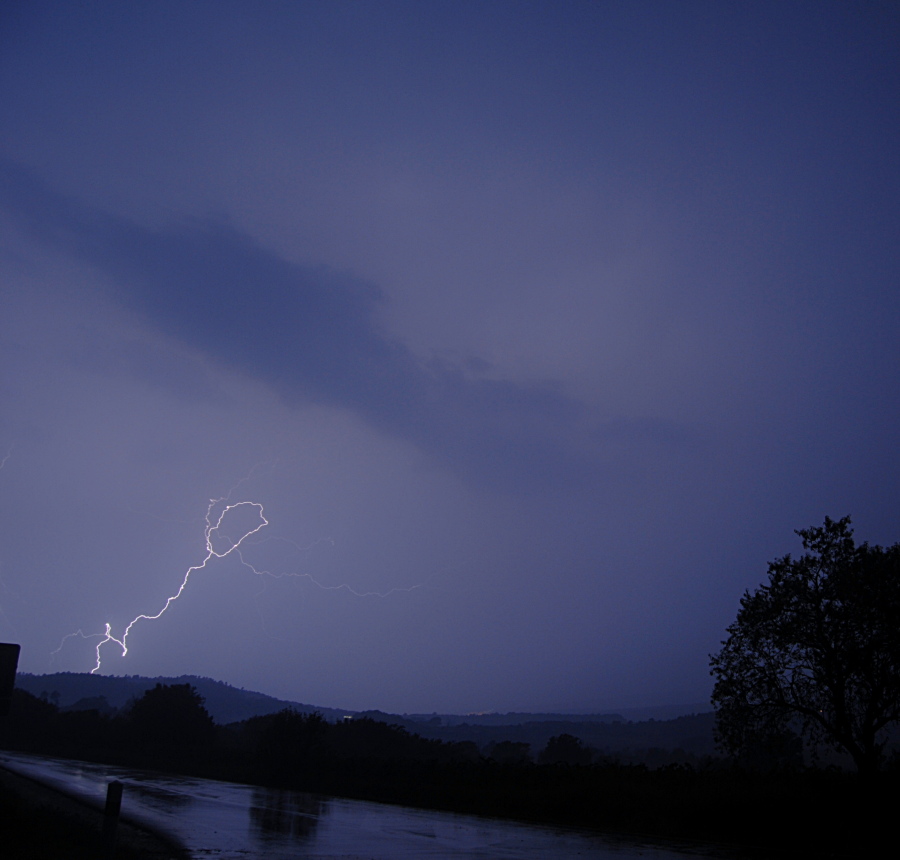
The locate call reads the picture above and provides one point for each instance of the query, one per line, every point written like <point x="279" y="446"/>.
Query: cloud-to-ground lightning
<point x="218" y="545"/>
<point x="211" y="534"/>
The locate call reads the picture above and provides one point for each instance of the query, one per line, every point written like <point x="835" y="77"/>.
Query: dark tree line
<point x="169" y="723"/>
<point x="813" y="657"/>
<point x="568" y="784"/>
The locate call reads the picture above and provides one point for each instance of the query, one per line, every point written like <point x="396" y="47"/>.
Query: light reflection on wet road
<point x="227" y="821"/>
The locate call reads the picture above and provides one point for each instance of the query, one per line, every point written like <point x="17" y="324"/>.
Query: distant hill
<point x="645" y="740"/>
<point x="513" y="718"/>
<point x="226" y="704"/>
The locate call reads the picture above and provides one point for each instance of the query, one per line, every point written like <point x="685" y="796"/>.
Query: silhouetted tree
<point x="171" y="716"/>
<point x="818" y="648"/>
<point x="290" y="742"/>
<point x="565" y="749"/>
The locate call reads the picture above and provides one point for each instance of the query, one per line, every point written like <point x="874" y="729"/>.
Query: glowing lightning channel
<point x="210" y="533"/>
<point x="342" y="587"/>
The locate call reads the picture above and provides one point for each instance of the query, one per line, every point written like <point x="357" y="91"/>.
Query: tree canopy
<point x="816" y="650"/>
<point x="173" y="716"/>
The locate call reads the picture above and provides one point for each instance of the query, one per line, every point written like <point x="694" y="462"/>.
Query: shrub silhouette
<point x="171" y="716"/>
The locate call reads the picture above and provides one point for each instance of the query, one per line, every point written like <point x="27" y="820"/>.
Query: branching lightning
<point x="218" y="546"/>
<point x="343" y="587"/>
<point x="211" y="534"/>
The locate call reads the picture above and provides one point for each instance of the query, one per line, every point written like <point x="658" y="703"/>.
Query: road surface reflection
<point x="240" y="822"/>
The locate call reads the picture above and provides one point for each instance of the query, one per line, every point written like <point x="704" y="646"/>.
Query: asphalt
<point x="133" y="840"/>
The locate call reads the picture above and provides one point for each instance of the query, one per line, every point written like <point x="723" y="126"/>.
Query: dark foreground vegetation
<point x="781" y="808"/>
<point x="815" y="652"/>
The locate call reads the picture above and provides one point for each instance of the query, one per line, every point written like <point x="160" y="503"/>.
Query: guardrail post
<point x="111" y="818"/>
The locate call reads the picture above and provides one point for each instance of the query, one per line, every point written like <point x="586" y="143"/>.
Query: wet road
<point x="228" y="821"/>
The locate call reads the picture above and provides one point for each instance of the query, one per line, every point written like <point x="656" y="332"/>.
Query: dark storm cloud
<point x="684" y="213"/>
<point x="156" y="365"/>
<point x="313" y="335"/>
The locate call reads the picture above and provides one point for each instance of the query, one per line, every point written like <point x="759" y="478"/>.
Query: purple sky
<point x="538" y="327"/>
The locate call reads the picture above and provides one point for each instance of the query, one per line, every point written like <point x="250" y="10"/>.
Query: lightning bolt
<point x="219" y="546"/>
<point x="343" y="587"/>
<point x="211" y="534"/>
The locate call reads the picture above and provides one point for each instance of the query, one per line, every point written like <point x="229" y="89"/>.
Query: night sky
<point x="534" y="328"/>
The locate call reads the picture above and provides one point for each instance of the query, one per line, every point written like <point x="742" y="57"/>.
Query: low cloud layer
<point x="312" y="335"/>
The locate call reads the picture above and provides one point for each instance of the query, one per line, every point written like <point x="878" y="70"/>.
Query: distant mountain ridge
<point x="691" y="734"/>
<point x="647" y="741"/>
<point x="226" y="704"/>
<point x="512" y="718"/>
